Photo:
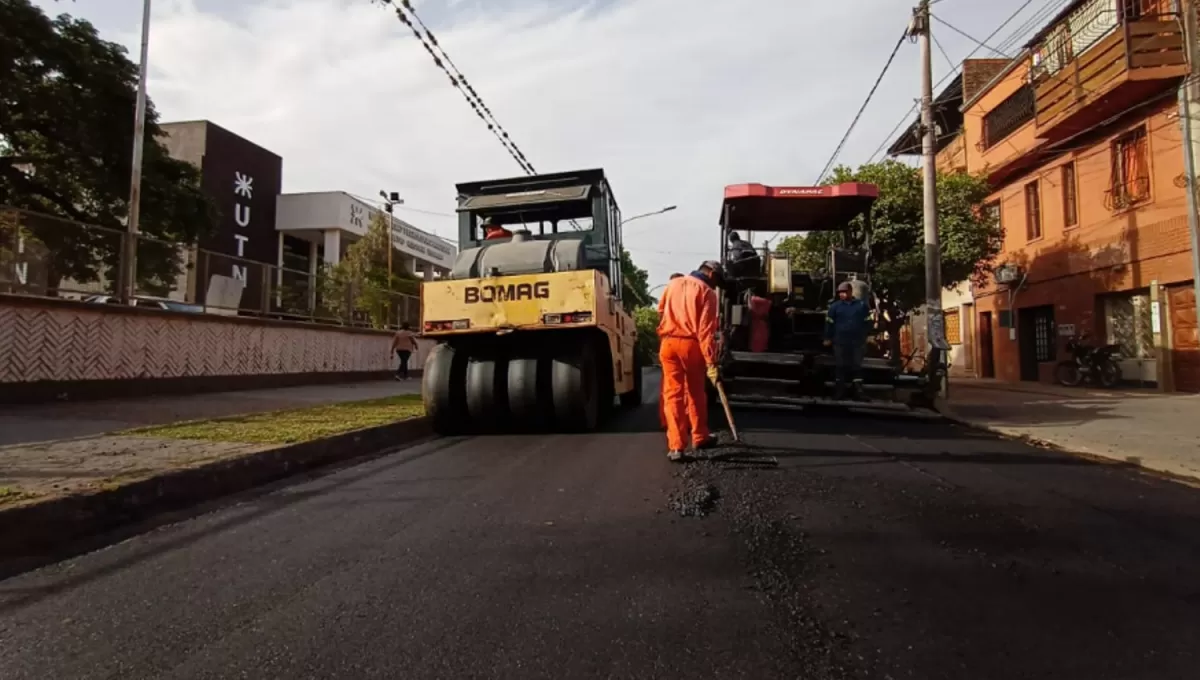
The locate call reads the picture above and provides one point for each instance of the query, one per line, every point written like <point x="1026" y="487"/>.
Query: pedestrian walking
<point x="404" y="345"/>
<point x="846" y="326"/>
<point x="687" y="330"/>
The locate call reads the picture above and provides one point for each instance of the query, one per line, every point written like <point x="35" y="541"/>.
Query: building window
<point x="1070" y="201"/>
<point x="1127" y="322"/>
<point x="1008" y="116"/>
<point x="1130" y="170"/>
<point x="991" y="213"/>
<point x="953" y="327"/>
<point x="1033" y="212"/>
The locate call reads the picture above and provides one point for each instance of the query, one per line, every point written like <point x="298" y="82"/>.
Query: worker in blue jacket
<point x="847" y="324"/>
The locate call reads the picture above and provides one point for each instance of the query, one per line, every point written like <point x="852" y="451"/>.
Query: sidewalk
<point x="68" y="420"/>
<point x="1146" y="428"/>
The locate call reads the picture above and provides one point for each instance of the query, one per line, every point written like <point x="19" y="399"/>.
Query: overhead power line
<point x="857" y="116"/>
<point x="968" y="36"/>
<point x="405" y="12"/>
<point x="945" y="55"/>
<point x="908" y="114"/>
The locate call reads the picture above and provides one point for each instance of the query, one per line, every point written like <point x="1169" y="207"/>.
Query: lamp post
<point x="390" y="201"/>
<point x="660" y="211"/>
<point x="127" y="281"/>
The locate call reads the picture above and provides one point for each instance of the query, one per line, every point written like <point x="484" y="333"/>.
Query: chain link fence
<point x="46" y="256"/>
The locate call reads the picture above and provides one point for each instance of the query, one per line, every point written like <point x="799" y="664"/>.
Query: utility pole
<point x="127" y="281"/>
<point x="1189" y="109"/>
<point x="934" y="323"/>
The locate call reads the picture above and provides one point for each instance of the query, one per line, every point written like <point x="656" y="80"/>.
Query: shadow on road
<point x="259" y="502"/>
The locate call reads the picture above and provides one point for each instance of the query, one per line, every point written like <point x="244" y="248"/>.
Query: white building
<point x="319" y="226"/>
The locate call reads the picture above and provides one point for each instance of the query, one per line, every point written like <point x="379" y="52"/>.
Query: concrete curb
<point x="948" y="413"/>
<point x="41" y="529"/>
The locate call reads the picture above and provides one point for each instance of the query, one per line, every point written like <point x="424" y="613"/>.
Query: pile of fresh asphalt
<point x="740" y="486"/>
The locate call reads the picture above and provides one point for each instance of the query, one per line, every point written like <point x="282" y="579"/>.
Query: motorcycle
<point x="1089" y="363"/>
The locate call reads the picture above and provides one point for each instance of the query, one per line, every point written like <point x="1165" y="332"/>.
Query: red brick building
<point x="1081" y="138"/>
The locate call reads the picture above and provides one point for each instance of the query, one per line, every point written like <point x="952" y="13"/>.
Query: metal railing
<point x="1093" y="21"/>
<point x="48" y="256"/>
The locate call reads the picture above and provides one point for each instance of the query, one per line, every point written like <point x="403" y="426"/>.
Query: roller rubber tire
<point x="442" y="390"/>
<point x="633" y="398"/>
<point x="487" y="391"/>
<point x="529" y="392"/>
<point x="575" y="388"/>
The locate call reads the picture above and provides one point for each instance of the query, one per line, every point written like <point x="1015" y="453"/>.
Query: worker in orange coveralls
<point x="687" y="330"/>
<point x="662" y="410"/>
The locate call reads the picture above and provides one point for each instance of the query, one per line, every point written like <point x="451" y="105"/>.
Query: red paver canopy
<point x="758" y="207"/>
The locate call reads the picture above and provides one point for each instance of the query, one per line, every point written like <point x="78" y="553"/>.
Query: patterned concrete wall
<point x="57" y="341"/>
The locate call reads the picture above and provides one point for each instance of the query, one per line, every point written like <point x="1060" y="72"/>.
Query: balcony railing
<point x="1099" y="48"/>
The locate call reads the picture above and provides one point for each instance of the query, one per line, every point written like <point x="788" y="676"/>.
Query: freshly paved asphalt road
<point x="844" y="547"/>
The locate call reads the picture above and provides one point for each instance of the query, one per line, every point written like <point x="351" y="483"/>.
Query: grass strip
<point x="292" y="426"/>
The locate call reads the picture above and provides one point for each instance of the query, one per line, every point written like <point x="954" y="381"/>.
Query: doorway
<point x="968" y="339"/>
<point x="1036" y="339"/>
<point x="987" y="360"/>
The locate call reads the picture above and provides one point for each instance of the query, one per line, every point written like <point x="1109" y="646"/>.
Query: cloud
<point x="673" y="98"/>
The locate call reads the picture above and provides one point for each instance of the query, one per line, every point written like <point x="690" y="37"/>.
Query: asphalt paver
<point x="829" y="545"/>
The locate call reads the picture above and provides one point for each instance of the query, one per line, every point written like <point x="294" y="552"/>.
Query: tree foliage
<point x="646" y="321"/>
<point x="67" y="102"/>
<point x="636" y="288"/>
<point x="970" y="238"/>
<point x="360" y="281"/>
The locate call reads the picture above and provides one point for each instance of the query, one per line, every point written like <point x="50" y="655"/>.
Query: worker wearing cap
<point x="492" y="231"/>
<point x="846" y="325"/>
<point x="687" y="330"/>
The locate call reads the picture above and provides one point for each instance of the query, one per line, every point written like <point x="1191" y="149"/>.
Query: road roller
<point x="531" y="327"/>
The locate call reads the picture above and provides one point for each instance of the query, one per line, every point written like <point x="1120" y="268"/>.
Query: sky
<point x="674" y="102"/>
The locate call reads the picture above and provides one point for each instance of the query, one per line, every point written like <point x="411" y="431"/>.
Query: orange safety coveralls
<point x="687" y="330"/>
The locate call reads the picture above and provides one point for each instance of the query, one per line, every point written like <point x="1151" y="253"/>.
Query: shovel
<point x="728" y="411"/>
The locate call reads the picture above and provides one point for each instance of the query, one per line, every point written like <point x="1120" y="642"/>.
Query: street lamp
<point x="660" y="211"/>
<point x="390" y="201"/>
<point x="127" y="282"/>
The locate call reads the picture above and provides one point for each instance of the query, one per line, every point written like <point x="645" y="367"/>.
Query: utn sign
<point x="243" y="190"/>
<point x="243" y="179"/>
<point x="21" y="266"/>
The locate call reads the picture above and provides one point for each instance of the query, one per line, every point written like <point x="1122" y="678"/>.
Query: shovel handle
<point x="728" y="411"/>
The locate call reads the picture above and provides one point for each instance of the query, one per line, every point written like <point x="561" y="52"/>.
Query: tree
<point x="807" y="254"/>
<point x="359" y="282"/>
<point x="636" y="288"/>
<point x="646" y="321"/>
<point x="970" y="238"/>
<point x="66" y="139"/>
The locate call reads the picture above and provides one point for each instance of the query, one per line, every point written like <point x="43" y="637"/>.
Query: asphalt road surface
<point x="834" y="547"/>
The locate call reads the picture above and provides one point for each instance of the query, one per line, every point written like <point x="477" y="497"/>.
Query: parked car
<point x="147" y="302"/>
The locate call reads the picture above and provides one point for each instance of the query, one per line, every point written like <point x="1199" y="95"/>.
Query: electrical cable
<point x="938" y="43"/>
<point x="905" y="118"/>
<point x="968" y="36"/>
<point x="407" y="15"/>
<point x="459" y="81"/>
<point x="853" y="123"/>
